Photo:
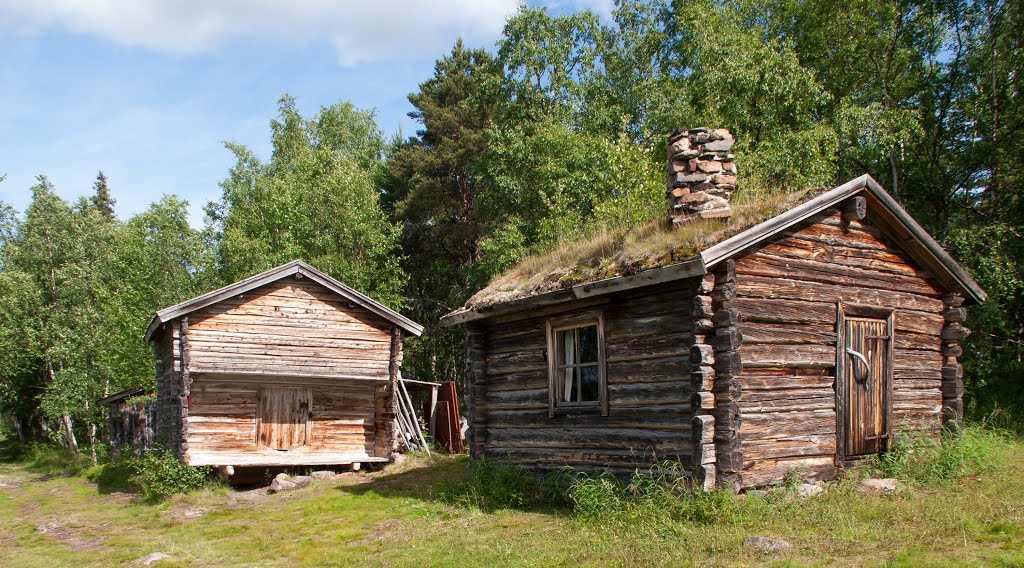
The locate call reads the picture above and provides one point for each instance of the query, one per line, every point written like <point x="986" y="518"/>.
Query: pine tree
<point x="102" y="200"/>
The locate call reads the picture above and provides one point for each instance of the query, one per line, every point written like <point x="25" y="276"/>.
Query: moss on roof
<point x="608" y="254"/>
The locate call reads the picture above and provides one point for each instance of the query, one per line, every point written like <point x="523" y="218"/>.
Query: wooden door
<point x="283" y="417"/>
<point x="864" y="384"/>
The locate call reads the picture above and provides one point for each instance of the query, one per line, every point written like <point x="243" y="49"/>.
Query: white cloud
<point x="360" y="30"/>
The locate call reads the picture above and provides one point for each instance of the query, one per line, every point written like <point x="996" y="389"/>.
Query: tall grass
<point x="494" y="484"/>
<point x="921" y="458"/>
<point x="656" y="498"/>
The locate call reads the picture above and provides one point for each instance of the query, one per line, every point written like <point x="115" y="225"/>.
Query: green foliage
<point x="655" y="498"/>
<point x="159" y="475"/>
<point x="493" y="485"/>
<point x="316" y="199"/>
<point x="436" y="185"/>
<point x="101" y="199"/>
<point x="45" y="457"/>
<point x="951" y="457"/>
<point x="77" y="289"/>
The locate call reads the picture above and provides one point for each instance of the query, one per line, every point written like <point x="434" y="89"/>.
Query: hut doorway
<point x="864" y="381"/>
<point x="283" y="417"/>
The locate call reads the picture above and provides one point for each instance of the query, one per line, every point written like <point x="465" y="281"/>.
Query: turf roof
<point x="608" y="254"/>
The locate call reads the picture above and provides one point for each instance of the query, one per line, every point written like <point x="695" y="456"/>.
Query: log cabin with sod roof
<point x="745" y="339"/>
<point x="287" y="368"/>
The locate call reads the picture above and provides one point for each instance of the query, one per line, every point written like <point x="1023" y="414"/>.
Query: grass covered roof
<point x="609" y="253"/>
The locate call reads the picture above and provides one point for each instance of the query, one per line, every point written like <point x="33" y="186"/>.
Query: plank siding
<point x="647" y="343"/>
<point x="787" y="292"/>
<point x="289" y="327"/>
<point x="222" y="420"/>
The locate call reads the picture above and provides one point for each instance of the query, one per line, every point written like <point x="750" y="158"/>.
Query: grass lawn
<point x="404" y="515"/>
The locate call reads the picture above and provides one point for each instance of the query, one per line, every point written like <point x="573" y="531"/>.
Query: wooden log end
<point x="855" y="208"/>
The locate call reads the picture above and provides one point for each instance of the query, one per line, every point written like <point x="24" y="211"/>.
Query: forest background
<point x="555" y="133"/>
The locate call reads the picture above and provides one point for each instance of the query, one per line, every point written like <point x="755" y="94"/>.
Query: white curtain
<point x="569" y="342"/>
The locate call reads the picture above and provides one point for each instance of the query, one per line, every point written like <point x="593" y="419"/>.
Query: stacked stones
<point x="953" y="333"/>
<point x="701" y="175"/>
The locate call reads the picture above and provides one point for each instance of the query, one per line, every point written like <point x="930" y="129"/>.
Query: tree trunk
<point x="894" y="173"/>
<point x="19" y="428"/>
<point x="92" y="441"/>
<point x="69" y="433"/>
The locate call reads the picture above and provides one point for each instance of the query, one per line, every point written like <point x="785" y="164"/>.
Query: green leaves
<point x="316" y="199"/>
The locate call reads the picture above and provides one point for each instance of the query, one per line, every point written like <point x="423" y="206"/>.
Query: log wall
<point x="290" y="327"/>
<point x="786" y="295"/>
<point x="648" y="336"/>
<point x="169" y="407"/>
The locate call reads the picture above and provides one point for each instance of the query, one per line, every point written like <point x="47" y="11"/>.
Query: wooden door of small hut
<point x="864" y="381"/>
<point x="283" y="417"/>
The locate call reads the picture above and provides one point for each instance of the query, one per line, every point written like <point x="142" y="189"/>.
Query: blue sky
<point x="148" y="90"/>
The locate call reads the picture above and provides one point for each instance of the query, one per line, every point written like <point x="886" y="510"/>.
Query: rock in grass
<point x="301" y="480"/>
<point x="886" y="486"/>
<point x="766" y="544"/>
<point x="152" y="558"/>
<point x="805" y="490"/>
<point x="279" y="485"/>
<point x="322" y="474"/>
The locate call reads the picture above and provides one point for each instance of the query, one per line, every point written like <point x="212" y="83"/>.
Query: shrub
<point x="158" y="475"/>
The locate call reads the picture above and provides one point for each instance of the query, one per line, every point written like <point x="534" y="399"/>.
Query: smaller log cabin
<point x="800" y="335"/>
<point x="287" y="368"/>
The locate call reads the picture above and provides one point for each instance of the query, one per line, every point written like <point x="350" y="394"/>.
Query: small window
<point x="576" y="364"/>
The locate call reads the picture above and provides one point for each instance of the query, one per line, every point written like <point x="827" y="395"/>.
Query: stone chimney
<point x="701" y="175"/>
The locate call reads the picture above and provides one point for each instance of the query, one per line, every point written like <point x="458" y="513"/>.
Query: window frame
<point x="565" y="323"/>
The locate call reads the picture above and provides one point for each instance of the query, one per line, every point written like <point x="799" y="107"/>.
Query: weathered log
<point x="706" y="284"/>
<point x="952" y="350"/>
<point x="952" y="372"/>
<point x="788" y="288"/>
<point x="855" y="208"/>
<point x="953" y="389"/>
<point x="702" y="400"/>
<point x="953" y="300"/>
<point x="955" y="315"/>
<point x="725" y="271"/>
<point x="729" y="461"/>
<point x="728" y="317"/>
<point x="764" y="264"/>
<point x="728" y="365"/>
<point x="702" y="354"/>
<point x="724" y="292"/>
<point x="702" y="378"/>
<point x="702" y="430"/>
<point x="706" y="477"/>
<point x="704" y="325"/>
<point x="701" y="307"/>
<point x="954" y="333"/>
<point x="728" y="390"/>
<point x="727" y="339"/>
